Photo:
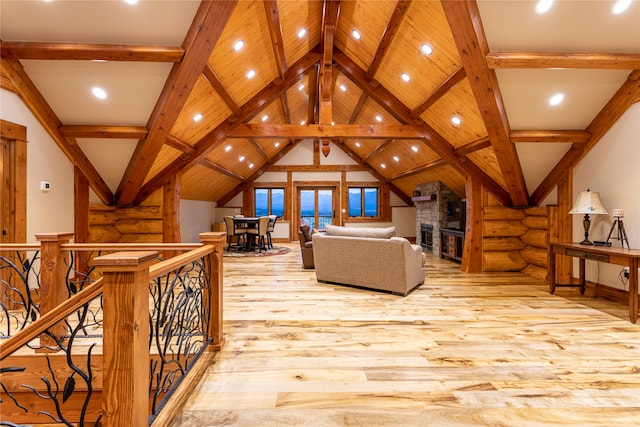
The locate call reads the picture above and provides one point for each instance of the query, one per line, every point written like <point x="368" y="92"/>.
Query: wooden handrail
<point x="10" y="247"/>
<point x="49" y="319"/>
<point x="130" y="246"/>
<point x="167" y="266"/>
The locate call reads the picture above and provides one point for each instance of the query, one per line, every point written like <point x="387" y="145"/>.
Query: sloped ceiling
<point x="494" y="65"/>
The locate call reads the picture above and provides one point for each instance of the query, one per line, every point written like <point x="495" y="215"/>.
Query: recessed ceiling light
<point x="251" y="74"/>
<point x="48" y="1"/>
<point x="414" y="148"/>
<point x="301" y="87"/>
<point x="265" y="118"/>
<point x="620" y="6"/>
<point x="99" y="93"/>
<point x="277" y="144"/>
<point x="406" y="77"/>
<point x="343" y="88"/>
<point x="227" y="148"/>
<point x="241" y="158"/>
<point x="426" y="48"/>
<point x="556" y="99"/>
<point x="303" y="122"/>
<point x="356" y="34"/>
<point x="131" y="1"/>
<point x="250" y="165"/>
<point x="396" y="158"/>
<point x="238" y="45"/>
<point x="379" y="118"/>
<point x="543" y="6"/>
<point x="383" y="166"/>
<point x="197" y="117"/>
<point x="457" y="121"/>
<point x="302" y="33"/>
<point x="333" y="123"/>
<point x="358" y="144"/>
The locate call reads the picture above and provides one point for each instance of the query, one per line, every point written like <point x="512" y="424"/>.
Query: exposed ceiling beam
<point x="610" y="61"/>
<point x="318" y="168"/>
<point x="358" y="108"/>
<point x="256" y="146"/>
<point x="272" y="131"/>
<point x="456" y="77"/>
<point x="180" y="145"/>
<point x="312" y="87"/>
<point x="216" y="167"/>
<point x="203" y="35"/>
<point x="90" y="52"/>
<point x="330" y="14"/>
<point x="387" y="37"/>
<point x="100" y="131"/>
<point x="216" y="84"/>
<point x="378" y="149"/>
<point x="275" y="31"/>
<point x="218" y="135"/>
<point x="36" y="103"/>
<point x="599" y="126"/>
<point x="433" y="139"/>
<point x="472" y="147"/>
<point x="419" y="169"/>
<point x="573" y="136"/>
<point x="286" y="111"/>
<point x="466" y="27"/>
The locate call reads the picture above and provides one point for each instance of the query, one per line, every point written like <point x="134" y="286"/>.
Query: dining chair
<point x="233" y="233"/>
<point x="270" y="228"/>
<point x="260" y="233"/>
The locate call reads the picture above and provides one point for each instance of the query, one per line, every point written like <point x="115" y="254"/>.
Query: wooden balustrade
<point x="125" y="290"/>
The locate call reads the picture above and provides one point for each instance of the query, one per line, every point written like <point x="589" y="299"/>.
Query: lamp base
<point x="586" y="242"/>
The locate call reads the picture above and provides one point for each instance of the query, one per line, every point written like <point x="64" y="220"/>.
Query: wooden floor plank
<point x="461" y="350"/>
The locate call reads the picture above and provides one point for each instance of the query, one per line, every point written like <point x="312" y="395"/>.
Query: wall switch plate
<point x="45" y="186"/>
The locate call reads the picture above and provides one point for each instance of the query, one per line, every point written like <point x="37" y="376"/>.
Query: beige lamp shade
<point x="588" y="202"/>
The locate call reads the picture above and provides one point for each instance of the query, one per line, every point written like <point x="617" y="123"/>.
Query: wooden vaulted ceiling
<point x="337" y="86"/>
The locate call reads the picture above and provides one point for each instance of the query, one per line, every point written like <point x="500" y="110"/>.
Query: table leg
<point x="583" y="278"/>
<point x="633" y="290"/>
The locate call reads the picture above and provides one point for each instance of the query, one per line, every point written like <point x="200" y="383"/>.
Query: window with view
<point x="269" y="201"/>
<point x="363" y="202"/>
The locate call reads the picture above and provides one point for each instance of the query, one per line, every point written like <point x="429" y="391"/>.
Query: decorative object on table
<point x="588" y="203"/>
<point x="618" y="214"/>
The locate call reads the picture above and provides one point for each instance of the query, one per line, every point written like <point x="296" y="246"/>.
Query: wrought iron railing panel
<point x="179" y="320"/>
<point x="58" y="383"/>
<point x="19" y="290"/>
<point x="322" y="221"/>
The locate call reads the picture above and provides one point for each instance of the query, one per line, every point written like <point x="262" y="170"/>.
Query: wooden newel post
<point x="125" y="391"/>
<point x="53" y="272"/>
<point x="217" y="240"/>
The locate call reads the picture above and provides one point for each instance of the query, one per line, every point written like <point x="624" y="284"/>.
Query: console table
<point x="610" y="255"/>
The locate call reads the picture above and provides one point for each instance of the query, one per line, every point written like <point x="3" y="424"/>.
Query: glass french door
<point x="316" y="205"/>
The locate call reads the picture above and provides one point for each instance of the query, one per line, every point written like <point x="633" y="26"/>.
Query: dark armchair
<point x="306" y="244"/>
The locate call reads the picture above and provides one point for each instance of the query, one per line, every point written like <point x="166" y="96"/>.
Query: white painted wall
<point x="612" y="168"/>
<point x="51" y="211"/>
<point x="195" y="217"/>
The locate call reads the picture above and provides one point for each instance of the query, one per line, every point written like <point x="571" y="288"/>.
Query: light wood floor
<point x="462" y="350"/>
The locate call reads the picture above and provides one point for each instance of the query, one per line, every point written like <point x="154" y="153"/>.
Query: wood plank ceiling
<point x="345" y="93"/>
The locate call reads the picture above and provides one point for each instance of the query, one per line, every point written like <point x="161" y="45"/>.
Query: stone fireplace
<point x="432" y="214"/>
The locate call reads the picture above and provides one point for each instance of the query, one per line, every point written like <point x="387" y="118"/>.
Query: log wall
<point x="137" y="224"/>
<point x="516" y="240"/>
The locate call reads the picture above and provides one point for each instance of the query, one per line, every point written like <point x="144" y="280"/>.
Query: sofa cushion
<point x="370" y="232"/>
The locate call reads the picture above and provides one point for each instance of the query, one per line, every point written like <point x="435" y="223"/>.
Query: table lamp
<point x="588" y="202"/>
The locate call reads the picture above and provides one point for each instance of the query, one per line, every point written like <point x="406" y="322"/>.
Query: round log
<point x="140" y="238"/>
<point x="537" y="256"/>
<point x="495" y="213"/>
<point x="103" y="234"/>
<point x="502" y="244"/>
<point x="536" y="272"/>
<point x="503" y="229"/>
<point x="536" y="222"/>
<point x="536" y="237"/>
<point x="102" y="217"/>
<point x="537" y="211"/>
<point x="503" y="261"/>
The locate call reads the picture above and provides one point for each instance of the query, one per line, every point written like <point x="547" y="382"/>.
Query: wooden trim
<point x="100" y="131"/>
<point x="14" y="159"/>
<point x="573" y="136"/>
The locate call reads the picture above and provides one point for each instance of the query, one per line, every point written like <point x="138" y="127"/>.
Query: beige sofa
<point x="368" y="257"/>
